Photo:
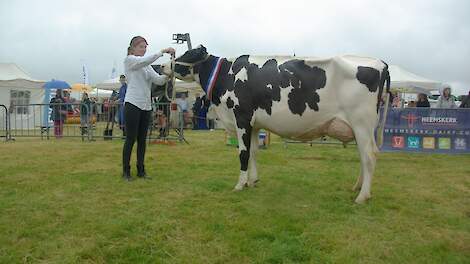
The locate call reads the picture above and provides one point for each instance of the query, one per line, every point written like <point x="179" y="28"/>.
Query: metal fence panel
<point x="4" y="125"/>
<point x="47" y="120"/>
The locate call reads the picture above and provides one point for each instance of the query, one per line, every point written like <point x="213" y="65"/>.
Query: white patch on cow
<point x="252" y="121"/>
<point x="242" y="75"/>
<point x="241" y="144"/>
<point x="270" y="86"/>
<point x="261" y="60"/>
<point x="196" y="78"/>
<point x="289" y="71"/>
<point x="252" y="171"/>
<point x="242" y="181"/>
<point x="232" y="96"/>
<point x="225" y="114"/>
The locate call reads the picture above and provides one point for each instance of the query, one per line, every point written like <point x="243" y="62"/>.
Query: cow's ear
<point x="203" y="49"/>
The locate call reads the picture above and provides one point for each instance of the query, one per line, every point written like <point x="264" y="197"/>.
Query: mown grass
<point x="63" y="201"/>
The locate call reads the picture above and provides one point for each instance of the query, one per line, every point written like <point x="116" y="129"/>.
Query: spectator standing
<point x="196" y="111"/>
<point x="121" y="98"/>
<point x="59" y="112"/>
<point x="422" y="101"/>
<point x="446" y="100"/>
<point x="466" y="101"/>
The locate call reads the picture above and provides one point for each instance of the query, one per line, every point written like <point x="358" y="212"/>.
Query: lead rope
<point x="173" y="105"/>
<point x="172" y="81"/>
<point x="173" y="96"/>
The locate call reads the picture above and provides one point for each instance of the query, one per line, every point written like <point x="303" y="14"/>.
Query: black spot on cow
<point x="230" y="103"/>
<point x="244" y="158"/>
<point x="240" y="63"/>
<point x="305" y="80"/>
<point x="369" y="77"/>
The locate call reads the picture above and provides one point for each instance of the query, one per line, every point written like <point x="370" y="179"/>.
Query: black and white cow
<point x="297" y="98"/>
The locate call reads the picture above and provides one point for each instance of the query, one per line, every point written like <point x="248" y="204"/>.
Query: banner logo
<point x="429" y="143"/>
<point x="413" y="142"/>
<point x="398" y="142"/>
<point x="411" y="118"/>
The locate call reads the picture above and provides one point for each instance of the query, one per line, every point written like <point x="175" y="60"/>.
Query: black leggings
<point x="136" y="126"/>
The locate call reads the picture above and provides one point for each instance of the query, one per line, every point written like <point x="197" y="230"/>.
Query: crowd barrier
<point x="47" y="120"/>
<point x="4" y="126"/>
<point x="93" y="121"/>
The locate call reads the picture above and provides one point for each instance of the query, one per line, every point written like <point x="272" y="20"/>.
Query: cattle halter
<point x="190" y="65"/>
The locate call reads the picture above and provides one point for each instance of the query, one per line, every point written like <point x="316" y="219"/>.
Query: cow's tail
<point x="385" y="79"/>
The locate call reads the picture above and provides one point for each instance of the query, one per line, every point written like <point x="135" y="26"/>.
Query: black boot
<point x="126" y="173"/>
<point x="141" y="172"/>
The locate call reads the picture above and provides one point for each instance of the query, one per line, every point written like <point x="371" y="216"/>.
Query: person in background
<point x="111" y="107"/>
<point x="162" y="122"/>
<point x="211" y="117"/>
<point x="202" y="118"/>
<point x="196" y="111"/>
<point x="85" y="112"/>
<point x="466" y="101"/>
<point x="396" y="100"/>
<point x="446" y="100"/>
<point x="384" y="97"/>
<point x="121" y="97"/>
<point x="422" y="101"/>
<point x="183" y="109"/>
<point x="412" y="104"/>
<point x="138" y="102"/>
<point x="59" y="112"/>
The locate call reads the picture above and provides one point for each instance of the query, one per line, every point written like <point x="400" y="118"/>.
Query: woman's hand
<point x="169" y="51"/>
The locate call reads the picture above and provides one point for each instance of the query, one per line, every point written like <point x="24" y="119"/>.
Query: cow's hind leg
<point x="358" y="184"/>
<point x="367" y="151"/>
<point x="244" y="142"/>
<point x="252" y="171"/>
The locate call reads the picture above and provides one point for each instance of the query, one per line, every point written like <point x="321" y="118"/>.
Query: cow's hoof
<point x="253" y="183"/>
<point x="356" y="188"/>
<point x="361" y="199"/>
<point x="238" y="188"/>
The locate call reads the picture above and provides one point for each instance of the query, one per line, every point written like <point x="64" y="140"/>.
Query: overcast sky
<point x="52" y="39"/>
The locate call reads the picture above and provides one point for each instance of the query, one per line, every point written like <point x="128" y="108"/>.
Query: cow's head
<point x="186" y="65"/>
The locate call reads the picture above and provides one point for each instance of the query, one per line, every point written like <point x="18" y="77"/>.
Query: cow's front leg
<point x="252" y="172"/>
<point x="244" y="141"/>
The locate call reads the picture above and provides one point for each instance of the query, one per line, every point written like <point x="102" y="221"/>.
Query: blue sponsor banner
<point x="427" y="130"/>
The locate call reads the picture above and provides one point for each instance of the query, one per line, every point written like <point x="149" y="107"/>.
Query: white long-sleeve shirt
<point x="140" y="76"/>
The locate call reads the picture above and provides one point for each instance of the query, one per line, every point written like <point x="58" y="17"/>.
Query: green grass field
<point x="63" y="201"/>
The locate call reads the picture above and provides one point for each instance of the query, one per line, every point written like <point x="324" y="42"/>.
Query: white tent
<point x="100" y="93"/>
<point x="111" y="84"/>
<point x="192" y="88"/>
<point x="17" y="88"/>
<point x="409" y="82"/>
